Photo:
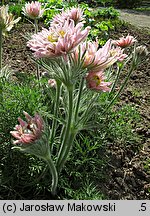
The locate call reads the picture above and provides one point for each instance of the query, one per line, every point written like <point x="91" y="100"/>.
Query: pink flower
<point x="58" y="40"/>
<point x="33" y="10"/>
<point x="98" y="59"/>
<point x="124" y="41"/>
<point x="95" y="81"/>
<point x="30" y="131"/>
<point x="118" y="53"/>
<point x="75" y="14"/>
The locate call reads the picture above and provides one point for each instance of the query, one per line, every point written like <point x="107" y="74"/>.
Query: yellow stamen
<point x="62" y="33"/>
<point x="52" y="38"/>
<point x="97" y="80"/>
<point x="112" y="53"/>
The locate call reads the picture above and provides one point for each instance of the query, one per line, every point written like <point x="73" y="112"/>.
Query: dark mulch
<point x="128" y="178"/>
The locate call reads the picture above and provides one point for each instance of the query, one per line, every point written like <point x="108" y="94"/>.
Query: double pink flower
<point x="97" y="59"/>
<point x="33" y="10"/>
<point x="75" y="14"/>
<point x="58" y="40"/>
<point x="125" y="41"/>
<point x="30" y="131"/>
<point x="96" y="81"/>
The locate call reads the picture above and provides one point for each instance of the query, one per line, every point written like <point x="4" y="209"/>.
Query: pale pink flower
<point x="75" y="14"/>
<point x="33" y="10"/>
<point x="30" y="131"/>
<point x="52" y="82"/>
<point x="7" y="20"/>
<point x="58" y="40"/>
<point x="98" y="59"/>
<point x="124" y="41"/>
<point x="118" y="53"/>
<point x="96" y="81"/>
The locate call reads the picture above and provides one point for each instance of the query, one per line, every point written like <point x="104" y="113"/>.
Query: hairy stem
<point x="56" y="107"/>
<point x="66" y="151"/>
<point x="37" y="67"/>
<point x="54" y="174"/>
<point x="122" y="87"/>
<point x="79" y="97"/>
<point x="120" y="68"/>
<point x="67" y="129"/>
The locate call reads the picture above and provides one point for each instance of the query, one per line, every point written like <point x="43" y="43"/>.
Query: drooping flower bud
<point x="28" y="131"/>
<point x="141" y="51"/>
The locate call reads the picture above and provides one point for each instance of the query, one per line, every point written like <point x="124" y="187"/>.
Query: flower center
<point x="97" y="80"/>
<point x="112" y="52"/>
<point x="52" y="38"/>
<point x="62" y="33"/>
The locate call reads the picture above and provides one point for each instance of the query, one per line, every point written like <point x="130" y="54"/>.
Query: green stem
<point x="120" y="68"/>
<point x="79" y="97"/>
<point x="121" y="88"/>
<point x="37" y="68"/>
<point x="36" y="26"/>
<point x="116" y="80"/>
<point x="53" y="173"/>
<point x="0" y="49"/>
<point x="56" y="107"/>
<point x="67" y="129"/>
<point x="66" y="151"/>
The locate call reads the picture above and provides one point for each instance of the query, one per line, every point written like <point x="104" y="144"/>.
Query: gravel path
<point x="138" y="19"/>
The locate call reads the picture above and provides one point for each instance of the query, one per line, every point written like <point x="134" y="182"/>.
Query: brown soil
<point x="128" y="178"/>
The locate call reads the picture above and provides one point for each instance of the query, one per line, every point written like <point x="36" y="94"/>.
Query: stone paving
<point x="137" y="19"/>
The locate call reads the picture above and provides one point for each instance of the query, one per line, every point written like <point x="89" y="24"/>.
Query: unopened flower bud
<point x="141" y="51"/>
<point x="52" y="82"/>
<point x="45" y="74"/>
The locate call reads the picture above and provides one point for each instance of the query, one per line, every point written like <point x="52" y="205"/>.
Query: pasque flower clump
<point x="79" y="71"/>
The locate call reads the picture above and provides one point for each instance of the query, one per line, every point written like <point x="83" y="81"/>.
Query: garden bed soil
<point x="128" y="177"/>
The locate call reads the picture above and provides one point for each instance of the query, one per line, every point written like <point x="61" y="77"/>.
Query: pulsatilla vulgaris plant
<point x="80" y="72"/>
